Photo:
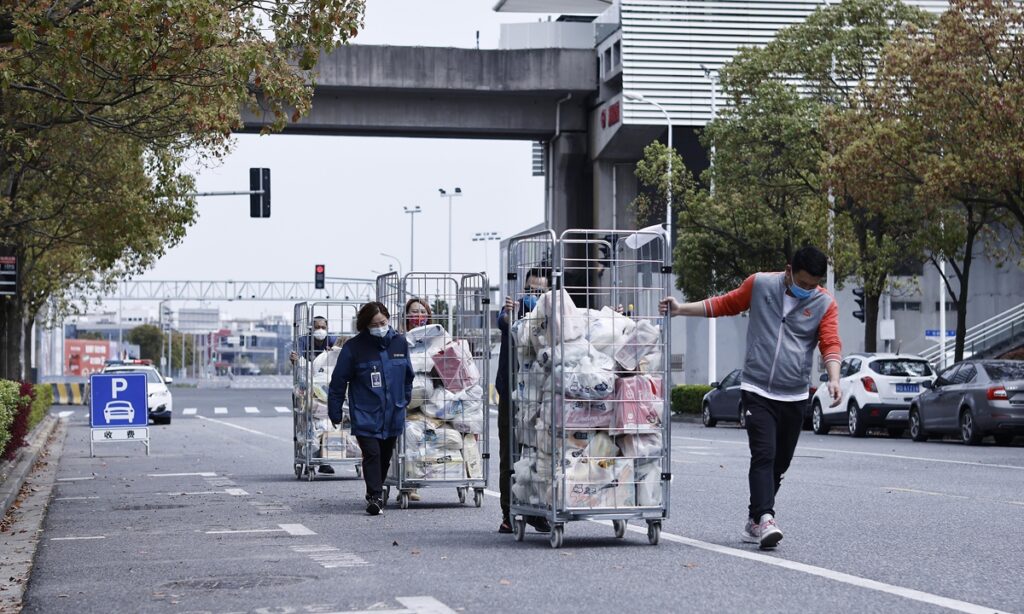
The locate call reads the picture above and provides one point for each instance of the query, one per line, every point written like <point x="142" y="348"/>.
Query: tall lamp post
<point x="397" y="262"/>
<point x="712" y="77"/>
<point x="412" y="211"/>
<point x="445" y="194"/>
<point x="636" y="97"/>
<point x="484" y="237"/>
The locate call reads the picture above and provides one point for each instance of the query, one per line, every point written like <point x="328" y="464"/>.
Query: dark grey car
<point x="723" y="402"/>
<point x="974" y="398"/>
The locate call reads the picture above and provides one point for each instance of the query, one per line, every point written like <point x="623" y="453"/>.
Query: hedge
<point x="686" y="399"/>
<point x="22" y="407"/>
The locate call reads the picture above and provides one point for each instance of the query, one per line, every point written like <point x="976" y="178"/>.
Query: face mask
<point x="799" y="292"/>
<point x="319" y="334"/>
<point x="415" y="321"/>
<point x="529" y="302"/>
<point x="379" y="331"/>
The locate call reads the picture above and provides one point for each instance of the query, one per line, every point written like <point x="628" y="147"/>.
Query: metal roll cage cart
<point x="316" y="441"/>
<point x="446" y="437"/>
<point x="590" y="362"/>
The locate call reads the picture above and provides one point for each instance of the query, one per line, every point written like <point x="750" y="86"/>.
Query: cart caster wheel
<point x="654" y="532"/>
<point x="557" y="532"/>
<point x="519" y="526"/>
<point x="310" y="473"/>
<point x="387" y="494"/>
<point x="620" y="528"/>
<point x="478" y="497"/>
<point x="403" y="500"/>
<point x="462" y="494"/>
<point x="298" y="472"/>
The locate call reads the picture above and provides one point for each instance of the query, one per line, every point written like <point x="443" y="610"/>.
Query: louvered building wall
<point x="664" y="42"/>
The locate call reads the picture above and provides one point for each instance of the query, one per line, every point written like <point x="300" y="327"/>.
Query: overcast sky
<point x="338" y="200"/>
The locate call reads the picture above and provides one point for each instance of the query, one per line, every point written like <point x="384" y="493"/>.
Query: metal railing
<point x="985" y="335"/>
<point x="336" y="288"/>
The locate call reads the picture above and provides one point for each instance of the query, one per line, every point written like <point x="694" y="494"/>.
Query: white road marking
<point x="252" y="410"/>
<point x="236" y="492"/>
<point x="231" y="531"/>
<point x="330" y="557"/>
<point x="701" y="453"/>
<point x="1016" y="502"/>
<point x="68" y="539"/>
<point x="65" y="414"/>
<point x="189" y="411"/>
<point x="424" y="605"/>
<point x="821" y="572"/>
<point x="242" y="428"/>
<point x="282" y="410"/>
<point x="191" y="494"/>
<point x="875" y="454"/>
<point x="74" y="498"/>
<point x="924" y="492"/>
<point x="295" y="529"/>
<point x="89" y="477"/>
<point x="220" y="410"/>
<point x="203" y="474"/>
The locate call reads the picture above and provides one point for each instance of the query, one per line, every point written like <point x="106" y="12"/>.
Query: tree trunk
<point x="10" y="338"/>
<point x="26" y="344"/>
<point x="961" y="302"/>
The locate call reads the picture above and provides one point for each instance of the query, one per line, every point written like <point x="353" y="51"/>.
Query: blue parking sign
<point x="118" y="400"/>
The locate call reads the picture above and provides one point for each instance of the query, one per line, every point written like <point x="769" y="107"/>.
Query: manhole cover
<point x="149" y="507"/>
<point x="234" y="582"/>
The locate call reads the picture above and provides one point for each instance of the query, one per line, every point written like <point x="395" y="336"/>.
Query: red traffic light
<point x="319" y="268"/>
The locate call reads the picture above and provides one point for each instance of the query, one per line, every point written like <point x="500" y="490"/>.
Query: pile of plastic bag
<point x="447" y="409"/>
<point x="339" y="444"/>
<point x="589" y="407"/>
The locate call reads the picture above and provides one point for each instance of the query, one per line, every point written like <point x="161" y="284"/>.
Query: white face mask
<point x="379" y="331"/>
<point x="319" y="334"/>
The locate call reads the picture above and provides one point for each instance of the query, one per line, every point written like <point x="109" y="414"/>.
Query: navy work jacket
<point x="375" y="410"/>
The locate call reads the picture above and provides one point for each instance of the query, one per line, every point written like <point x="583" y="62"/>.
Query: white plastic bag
<point x="422" y="389"/>
<point x="467" y="411"/>
<point x="555" y="313"/>
<point x="471" y="454"/>
<point x="430" y="338"/>
<point x="607" y="329"/>
<point x="640" y="445"/>
<point x="588" y="379"/>
<point x="642" y="342"/>
<point x="649" y="489"/>
<point x="450" y="466"/>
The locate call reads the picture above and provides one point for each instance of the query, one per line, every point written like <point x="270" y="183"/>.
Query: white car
<point x="877" y="390"/>
<point x="159" y="396"/>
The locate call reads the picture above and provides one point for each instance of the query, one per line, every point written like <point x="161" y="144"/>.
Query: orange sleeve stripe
<point x="731" y="303"/>
<point x="829" y="344"/>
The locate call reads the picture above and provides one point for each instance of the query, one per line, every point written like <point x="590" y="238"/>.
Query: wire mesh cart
<point x="316" y="441"/>
<point x="590" y="363"/>
<point x="446" y="437"/>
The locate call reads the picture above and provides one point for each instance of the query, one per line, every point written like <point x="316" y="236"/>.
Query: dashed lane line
<point x="282" y="410"/>
<point x="242" y="428"/>
<point x="189" y="411"/>
<point x="821" y="572"/>
<point x="202" y="474"/>
<point x="236" y="492"/>
<point x="84" y="537"/>
<point x="220" y="411"/>
<point x="88" y="477"/>
<point x="252" y="410"/>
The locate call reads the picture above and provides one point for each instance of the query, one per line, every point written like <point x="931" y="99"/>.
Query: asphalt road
<point x="215" y="521"/>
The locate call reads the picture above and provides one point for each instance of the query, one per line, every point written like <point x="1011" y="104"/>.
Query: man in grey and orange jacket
<point x="789" y="314"/>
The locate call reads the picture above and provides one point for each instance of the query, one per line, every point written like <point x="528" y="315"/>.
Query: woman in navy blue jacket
<point x="375" y="372"/>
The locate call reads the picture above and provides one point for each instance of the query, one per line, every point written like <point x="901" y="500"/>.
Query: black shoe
<point x="505" y="527"/>
<point x="539" y="524"/>
<point x="326" y="469"/>
<point x="374" y="506"/>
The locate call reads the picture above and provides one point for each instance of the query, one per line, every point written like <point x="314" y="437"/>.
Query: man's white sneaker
<point x="769" y="532"/>
<point x="751" y="532"/>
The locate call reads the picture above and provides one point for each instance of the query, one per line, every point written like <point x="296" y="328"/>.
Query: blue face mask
<point x="529" y="302"/>
<point x="799" y="292"/>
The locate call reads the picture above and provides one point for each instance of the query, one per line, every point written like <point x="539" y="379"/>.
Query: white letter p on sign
<point x="117" y="384"/>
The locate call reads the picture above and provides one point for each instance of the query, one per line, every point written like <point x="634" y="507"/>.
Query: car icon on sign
<point x="118" y="410"/>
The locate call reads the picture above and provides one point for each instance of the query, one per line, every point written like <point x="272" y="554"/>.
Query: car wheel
<point x="705" y="416"/>
<point x="895" y="433"/>
<point x="742" y="417"/>
<point x="969" y="431"/>
<point x="818" y="420"/>
<point x="917" y="432"/>
<point x="857" y="427"/>
<point x="1003" y="439"/>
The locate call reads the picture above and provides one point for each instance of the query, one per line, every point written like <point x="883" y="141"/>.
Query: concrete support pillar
<point x="570" y="193"/>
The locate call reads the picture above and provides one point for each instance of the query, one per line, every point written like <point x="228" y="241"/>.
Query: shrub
<point x="41" y="404"/>
<point x="10" y="399"/>
<point x="686" y="399"/>
<point x="19" y="424"/>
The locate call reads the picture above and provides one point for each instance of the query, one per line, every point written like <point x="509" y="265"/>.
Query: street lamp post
<point x="484" y="237"/>
<point x="668" y="120"/>
<point x="444" y="194"/>
<point x="412" y="211"/>
<point x="397" y="262"/>
<point x="712" y="77"/>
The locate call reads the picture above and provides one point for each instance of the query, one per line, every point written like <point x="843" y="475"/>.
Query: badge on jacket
<point x="375" y="379"/>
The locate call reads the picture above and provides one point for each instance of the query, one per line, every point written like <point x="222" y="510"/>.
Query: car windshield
<point x="151" y="376"/>
<point x="1004" y="371"/>
<point x="901" y="367"/>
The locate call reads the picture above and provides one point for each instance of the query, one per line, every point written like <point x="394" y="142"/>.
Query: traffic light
<point x="259" y="181"/>
<point x="859" y="293"/>
<point x="318" y="276"/>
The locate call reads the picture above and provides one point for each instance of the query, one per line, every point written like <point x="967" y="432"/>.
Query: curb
<point x="14" y="472"/>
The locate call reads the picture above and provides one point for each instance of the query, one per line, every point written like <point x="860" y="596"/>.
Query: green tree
<point x="136" y="85"/>
<point x="150" y="340"/>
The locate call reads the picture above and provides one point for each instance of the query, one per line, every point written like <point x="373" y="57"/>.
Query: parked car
<point x="974" y="398"/>
<point x="724" y="402"/>
<point x="159" y="396"/>
<point x="877" y="391"/>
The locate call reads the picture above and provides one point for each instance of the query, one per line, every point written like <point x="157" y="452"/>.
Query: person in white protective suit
<point x="309" y="347"/>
